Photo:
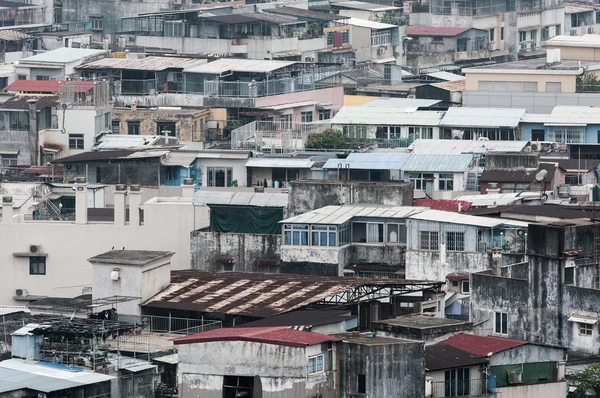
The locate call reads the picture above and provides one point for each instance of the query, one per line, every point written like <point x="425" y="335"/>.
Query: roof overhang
<point x="581" y="319"/>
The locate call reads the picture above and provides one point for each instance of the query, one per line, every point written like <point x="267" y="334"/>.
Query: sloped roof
<point x="302" y="13"/>
<point x="443" y="356"/>
<point x="151" y="63"/>
<point x="258" y="199"/>
<point x="267" y="335"/>
<point x="63" y="55"/>
<point x="47" y="86"/>
<point x="14" y="35"/>
<point x="434" y="31"/>
<point x="443" y="204"/>
<point x="20" y="102"/>
<point x="483" y="117"/>
<point x="482" y="345"/>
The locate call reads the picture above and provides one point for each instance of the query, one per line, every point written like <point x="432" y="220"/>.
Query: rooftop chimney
<point x="135" y="201"/>
<point x="187" y="189"/>
<point x="81" y="200"/>
<point x="7" y="210"/>
<point x="119" y="198"/>
<point x="497" y="261"/>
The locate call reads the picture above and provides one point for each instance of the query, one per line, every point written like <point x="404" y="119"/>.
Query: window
<point x="545" y="33"/>
<point x="414" y="133"/>
<point x="538" y="135"/>
<point x="295" y="235"/>
<point x="330" y="38"/>
<point x="315" y="364"/>
<point x="42" y="78"/>
<point x="533" y="35"/>
<point x="457" y="382"/>
<point x="21" y="77"/>
<point x="168" y="129"/>
<point x="306" y="117"/>
<point x="75" y="141"/>
<point x="569" y="276"/>
<point x="566" y="134"/>
<point x="502" y="33"/>
<point x="558" y="30"/>
<point x="446" y="182"/>
<point x="116" y="127"/>
<point x="501" y="326"/>
<point x="324" y="114"/>
<point x="37" y="265"/>
<point x="9" y="161"/>
<point x="429" y="240"/>
<point x="575" y="20"/>
<point x="133" y="128"/>
<point x="345" y="37"/>
<point x="572" y="179"/>
<point x="396" y="233"/>
<point x="522" y="36"/>
<point x="465" y="287"/>
<point x="330" y="356"/>
<point x="219" y="176"/>
<point x="387" y="72"/>
<point x="97" y="23"/>
<point x="381" y="37"/>
<point x="323" y="235"/>
<point x="492" y="34"/>
<point x="355" y="131"/>
<point x="107" y="120"/>
<point x="419" y="179"/>
<point x="455" y="241"/>
<point x="362" y="384"/>
<point x="585" y="329"/>
<point x="286" y="121"/>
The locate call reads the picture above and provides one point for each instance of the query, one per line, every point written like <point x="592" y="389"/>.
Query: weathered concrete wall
<point x="582" y="302"/>
<point x="161" y="99"/>
<point x="500" y="160"/>
<point x="558" y="389"/>
<point x="80" y="10"/>
<point x="208" y="247"/>
<point x="307" y="195"/>
<point x="430" y="335"/>
<point x="282" y="370"/>
<point x="184" y="123"/>
<point x="21" y="140"/>
<point x="527" y="353"/>
<point x="425" y="264"/>
<point x="391" y="370"/>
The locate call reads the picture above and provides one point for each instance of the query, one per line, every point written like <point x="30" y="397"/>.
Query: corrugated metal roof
<point x="382" y="116"/>
<point x="14" y="35"/>
<point x="434" y="31"/>
<point x="259" y="199"/>
<point x="151" y="63"/>
<point x="47" y="86"/>
<point x="268" y="335"/>
<point x="63" y="55"/>
<point x="282" y="163"/>
<point x="482" y="117"/>
<point x="290" y="105"/>
<point x="408" y="103"/>
<point x="361" y="5"/>
<point x="370" y="161"/>
<point x="238" y="65"/>
<point x="10" y="309"/>
<point x="437" y="163"/>
<point x="482" y="345"/>
<point x="458" y="85"/>
<point x="123" y="141"/>
<point x="338" y="215"/>
<point x="260" y="295"/>
<point x="563" y="115"/>
<point x="422" y="146"/>
<point x="370" y="24"/>
<point x="444" y="356"/>
<point x="171" y="359"/>
<point x="176" y="158"/>
<point x="497" y="199"/>
<point x="17" y="374"/>
<point x="447" y="76"/>
<point x="302" y="13"/>
<point x="212" y="154"/>
<point x="465" y="219"/>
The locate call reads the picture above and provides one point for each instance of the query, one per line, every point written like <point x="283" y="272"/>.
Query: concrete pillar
<point x="513" y="33"/>
<point x="187" y="189"/>
<point x="497" y="261"/>
<point x="120" y="193"/>
<point x="81" y="201"/>
<point x="7" y="210"/>
<point x="34" y="137"/>
<point x="135" y="201"/>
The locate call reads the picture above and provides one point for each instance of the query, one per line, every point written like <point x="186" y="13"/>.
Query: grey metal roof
<point x="14" y="35"/>
<point x="286" y="163"/>
<point x="204" y="197"/>
<point x="410" y="103"/>
<point x="465" y="219"/>
<point x="370" y="161"/>
<point x="338" y="215"/>
<point x="16" y="374"/>
<point x="63" y="55"/>
<point x="386" y="116"/>
<point x="447" y="76"/>
<point x="360" y="5"/>
<point x="238" y="65"/>
<point x="148" y="63"/>
<point x="438" y="163"/>
<point x="423" y="146"/>
<point x="483" y="117"/>
<point x="183" y="159"/>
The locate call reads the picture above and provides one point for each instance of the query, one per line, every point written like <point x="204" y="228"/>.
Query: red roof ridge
<point x="482" y="345"/>
<point x="278" y="335"/>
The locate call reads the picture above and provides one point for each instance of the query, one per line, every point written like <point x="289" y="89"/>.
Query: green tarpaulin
<point x="533" y="373"/>
<point x="246" y="219"/>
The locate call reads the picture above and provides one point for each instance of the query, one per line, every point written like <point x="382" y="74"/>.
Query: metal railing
<point x="279" y="136"/>
<point x="461" y="388"/>
<point x="184" y="326"/>
<point x="588" y="88"/>
<point x="263" y="88"/>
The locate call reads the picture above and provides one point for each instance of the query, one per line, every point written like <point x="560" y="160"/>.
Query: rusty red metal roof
<point x="434" y="31"/>
<point x="482" y="345"/>
<point x="264" y="295"/>
<point x="267" y="335"/>
<point x="46" y="86"/>
<point x="443" y="204"/>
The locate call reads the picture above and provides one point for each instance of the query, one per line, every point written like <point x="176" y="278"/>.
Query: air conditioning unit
<point x="381" y="50"/>
<point x="35" y="249"/>
<point x="516" y="377"/>
<point x="573" y="32"/>
<point x="115" y="274"/>
<point x="591" y="29"/>
<point x="309" y="59"/>
<point x="21" y="293"/>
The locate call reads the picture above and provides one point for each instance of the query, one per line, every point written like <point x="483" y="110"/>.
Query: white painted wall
<point x="558" y="389"/>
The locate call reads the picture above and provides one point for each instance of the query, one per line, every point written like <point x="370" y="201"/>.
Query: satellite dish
<point x="541" y="175"/>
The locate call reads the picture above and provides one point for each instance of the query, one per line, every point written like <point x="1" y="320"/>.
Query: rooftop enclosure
<point x="275" y="137"/>
<point x="14" y="13"/>
<point x="488" y="7"/>
<point x="76" y="94"/>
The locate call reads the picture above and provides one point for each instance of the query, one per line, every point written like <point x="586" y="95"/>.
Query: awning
<point x="286" y="54"/>
<point x="8" y="151"/>
<point x="183" y="159"/>
<point x="51" y="150"/>
<point x="564" y="124"/>
<point x="579" y="319"/>
<point x="384" y="60"/>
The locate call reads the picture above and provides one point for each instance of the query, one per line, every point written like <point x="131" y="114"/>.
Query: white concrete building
<point x="49" y="258"/>
<point x="56" y="63"/>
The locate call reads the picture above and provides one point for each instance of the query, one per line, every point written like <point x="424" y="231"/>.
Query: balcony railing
<point x="275" y="136"/>
<point x="461" y="388"/>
